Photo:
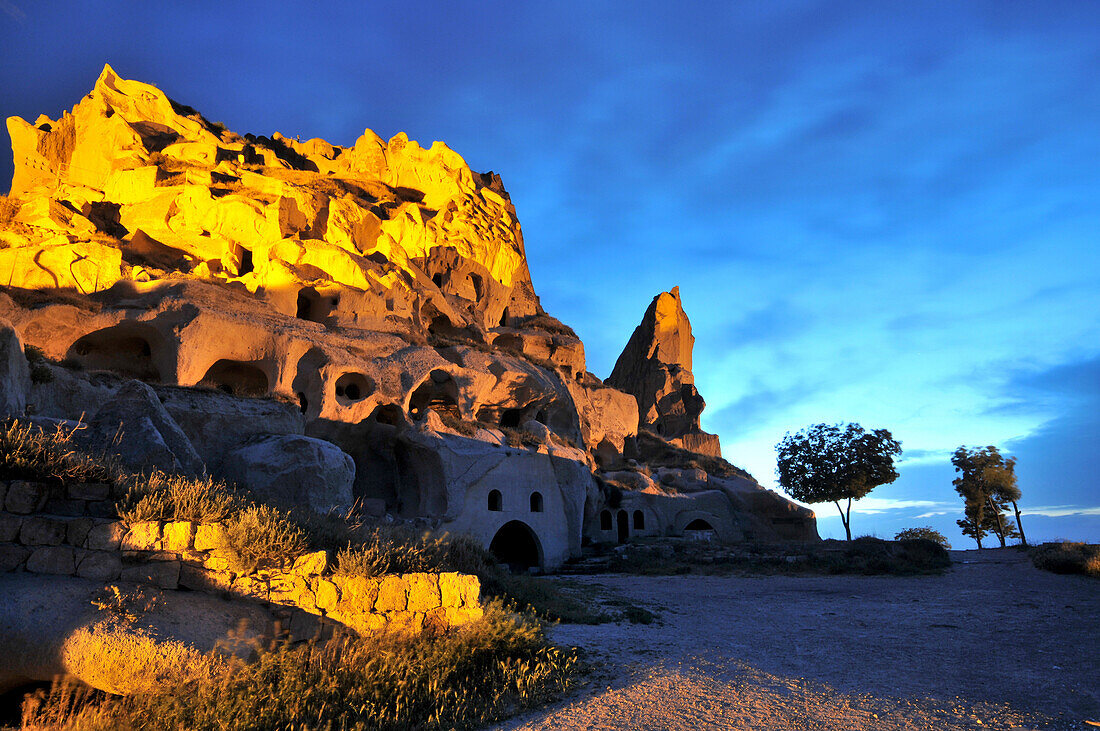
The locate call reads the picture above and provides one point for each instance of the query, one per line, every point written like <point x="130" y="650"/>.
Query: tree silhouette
<point x="827" y="463"/>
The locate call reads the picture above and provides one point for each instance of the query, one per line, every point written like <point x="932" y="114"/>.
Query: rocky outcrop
<point x="329" y="325"/>
<point x="293" y="471"/>
<point x="15" y="376"/>
<point x="655" y="367"/>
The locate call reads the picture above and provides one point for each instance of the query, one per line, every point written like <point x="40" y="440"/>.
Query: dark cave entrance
<point x="517" y="546"/>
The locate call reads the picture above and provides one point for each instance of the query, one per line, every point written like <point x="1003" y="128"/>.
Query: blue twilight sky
<point x="883" y="212"/>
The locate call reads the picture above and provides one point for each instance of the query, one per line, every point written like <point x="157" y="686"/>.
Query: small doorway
<point x="624" y="526"/>
<point x="516" y="545"/>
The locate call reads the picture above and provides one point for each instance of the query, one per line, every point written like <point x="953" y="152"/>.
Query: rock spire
<point x="655" y="367"/>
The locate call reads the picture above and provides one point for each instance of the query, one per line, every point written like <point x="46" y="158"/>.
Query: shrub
<point x="463" y="677"/>
<point x="260" y="536"/>
<point x="27" y="452"/>
<point x="173" y="497"/>
<point x="1068" y="558"/>
<point x="925" y="532"/>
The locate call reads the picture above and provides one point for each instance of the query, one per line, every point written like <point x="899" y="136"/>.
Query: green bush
<point x="456" y="679"/>
<point x="1068" y="558"/>
<point x="926" y="532"/>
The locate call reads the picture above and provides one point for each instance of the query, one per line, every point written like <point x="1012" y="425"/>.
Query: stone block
<point x="392" y="595"/>
<point x="209" y="537"/>
<point x="458" y="616"/>
<point x="9" y="527"/>
<point x="250" y="586"/>
<point x="216" y="561"/>
<point x="423" y="593"/>
<point x="88" y="491"/>
<point x="77" y="530"/>
<point x="101" y="509"/>
<point x="311" y="564"/>
<point x="106" y="536"/>
<point x="176" y="536"/>
<point x="142" y="537"/>
<point x="63" y="506"/>
<point x="450" y="590"/>
<point x="291" y="590"/>
<point x="471" y="590"/>
<point x="39" y="531"/>
<point x="327" y="594"/>
<point x="100" y="565"/>
<point x="197" y="578"/>
<point x="12" y="556"/>
<point x="25" y="497"/>
<point x="165" y="574"/>
<point x="52" y="560"/>
<point x="408" y="622"/>
<point x="357" y="593"/>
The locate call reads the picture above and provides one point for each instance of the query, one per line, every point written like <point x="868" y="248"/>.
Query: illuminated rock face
<point x="375" y="296"/>
<point x="655" y="367"/>
<point x="133" y="186"/>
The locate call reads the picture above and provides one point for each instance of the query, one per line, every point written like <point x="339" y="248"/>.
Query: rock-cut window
<point x="496" y="502"/>
<point x="605" y="520"/>
<point x="536" y="502"/>
<point x="639" y="520"/>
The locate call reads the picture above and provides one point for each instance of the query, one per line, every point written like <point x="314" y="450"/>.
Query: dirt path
<point x="994" y="643"/>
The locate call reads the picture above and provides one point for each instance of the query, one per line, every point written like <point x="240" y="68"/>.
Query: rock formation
<point x="655" y="367"/>
<point x="285" y="314"/>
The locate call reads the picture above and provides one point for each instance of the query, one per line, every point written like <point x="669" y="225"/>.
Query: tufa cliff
<point x="332" y="325"/>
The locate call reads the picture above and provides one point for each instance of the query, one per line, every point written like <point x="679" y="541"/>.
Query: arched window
<point x="605" y="520"/>
<point x="496" y="502"/>
<point x="639" y="520"/>
<point x="536" y="502"/>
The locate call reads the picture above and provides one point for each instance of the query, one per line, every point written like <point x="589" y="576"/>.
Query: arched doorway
<point x="623" y="525"/>
<point x="517" y="546"/>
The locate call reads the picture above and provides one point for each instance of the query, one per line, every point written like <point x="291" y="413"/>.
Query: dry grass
<point x="457" y="679"/>
<point x="1068" y="558"/>
<point x="260" y="536"/>
<point x="174" y="497"/>
<point x="29" y="453"/>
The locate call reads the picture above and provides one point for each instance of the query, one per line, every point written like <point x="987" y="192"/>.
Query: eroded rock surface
<point x="655" y="367"/>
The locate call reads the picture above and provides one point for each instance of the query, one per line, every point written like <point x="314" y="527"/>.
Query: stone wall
<point x="84" y="540"/>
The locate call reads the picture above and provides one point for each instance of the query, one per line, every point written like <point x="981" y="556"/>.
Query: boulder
<point x="135" y="427"/>
<point x="293" y="471"/>
<point x="51" y="626"/>
<point x="216" y="422"/>
<point x="15" y="374"/>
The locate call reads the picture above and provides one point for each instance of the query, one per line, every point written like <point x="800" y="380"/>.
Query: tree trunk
<point x="845" y="518"/>
<point x="1019" y="525"/>
<point x="999" y="523"/>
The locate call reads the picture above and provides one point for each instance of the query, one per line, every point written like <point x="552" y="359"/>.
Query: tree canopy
<point x="832" y="463"/>
<point x="987" y="484"/>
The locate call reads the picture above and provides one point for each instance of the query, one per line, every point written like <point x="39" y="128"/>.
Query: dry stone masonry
<point x="193" y="556"/>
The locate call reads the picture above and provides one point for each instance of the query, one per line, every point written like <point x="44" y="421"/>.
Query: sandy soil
<point x="993" y="643"/>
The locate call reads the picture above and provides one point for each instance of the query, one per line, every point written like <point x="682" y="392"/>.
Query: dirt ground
<point x="993" y="643"/>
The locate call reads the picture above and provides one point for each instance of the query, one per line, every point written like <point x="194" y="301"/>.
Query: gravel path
<point x="993" y="643"/>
